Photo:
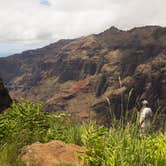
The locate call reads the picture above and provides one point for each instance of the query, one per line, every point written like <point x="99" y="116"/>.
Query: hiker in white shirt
<point x="145" y="117"/>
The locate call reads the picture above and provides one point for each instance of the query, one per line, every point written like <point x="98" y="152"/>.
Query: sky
<point x="29" y="24"/>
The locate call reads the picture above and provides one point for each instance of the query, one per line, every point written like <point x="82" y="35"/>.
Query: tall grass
<point x="24" y="123"/>
<point x="123" y="146"/>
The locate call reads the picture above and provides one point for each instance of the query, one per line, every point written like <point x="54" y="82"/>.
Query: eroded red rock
<point x="54" y="152"/>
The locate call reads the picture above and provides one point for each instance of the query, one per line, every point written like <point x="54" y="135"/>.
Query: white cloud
<point x="142" y="12"/>
<point x="44" y="21"/>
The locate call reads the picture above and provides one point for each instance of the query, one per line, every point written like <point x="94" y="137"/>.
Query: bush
<point x="123" y="146"/>
<point x="24" y="123"/>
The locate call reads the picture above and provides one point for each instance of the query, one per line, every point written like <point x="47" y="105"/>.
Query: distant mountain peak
<point x="114" y="29"/>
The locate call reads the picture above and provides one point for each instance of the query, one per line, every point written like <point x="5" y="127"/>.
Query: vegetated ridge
<point x="90" y="75"/>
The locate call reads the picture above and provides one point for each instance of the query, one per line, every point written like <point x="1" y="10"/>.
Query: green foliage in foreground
<point x="123" y="147"/>
<point x="24" y="123"/>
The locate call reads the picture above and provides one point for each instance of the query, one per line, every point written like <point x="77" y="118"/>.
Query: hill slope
<point x="93" y="73"/>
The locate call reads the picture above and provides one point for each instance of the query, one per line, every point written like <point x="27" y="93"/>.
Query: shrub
<point x="24" y="123"/>
<point x="123" y="146"/>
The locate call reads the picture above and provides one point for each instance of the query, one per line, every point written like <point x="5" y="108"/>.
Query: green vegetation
<point x="158" y="33"/>
<point x="66" y="85"/>
<point x="123" y="146"/>
<point x="24" y="123"/>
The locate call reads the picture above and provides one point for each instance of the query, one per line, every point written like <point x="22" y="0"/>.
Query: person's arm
<point x="142" y="117"/>
<point x="151" y="115"/>
<point x="142" y="121"/>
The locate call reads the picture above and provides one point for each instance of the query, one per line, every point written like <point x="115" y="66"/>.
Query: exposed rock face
<point x="55" y="152"/>
<point x="5" y="99"/>
<point x="90" y="75"/>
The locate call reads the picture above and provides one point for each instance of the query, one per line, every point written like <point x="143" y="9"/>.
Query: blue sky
<point x="45" y="2"/>
<point x="11" y="48"/>
<point x="28" y="24"/>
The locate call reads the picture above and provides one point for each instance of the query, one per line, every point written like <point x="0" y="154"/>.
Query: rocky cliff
<point x="90" y="75"/>
<point x="5" y="99"/>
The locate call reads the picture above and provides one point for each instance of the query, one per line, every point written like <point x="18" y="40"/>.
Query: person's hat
<point x="145" y="102"/>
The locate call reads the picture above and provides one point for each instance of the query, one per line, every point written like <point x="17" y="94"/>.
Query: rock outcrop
<point x="55" y="152"/>
<point x="91" y="75"/>
<point x="5" y="99"/>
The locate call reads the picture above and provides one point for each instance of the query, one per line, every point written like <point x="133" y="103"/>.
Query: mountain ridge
<point x="91" y="70"/>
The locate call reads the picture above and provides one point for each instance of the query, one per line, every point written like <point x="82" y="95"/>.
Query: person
<point x="145" y="117"/>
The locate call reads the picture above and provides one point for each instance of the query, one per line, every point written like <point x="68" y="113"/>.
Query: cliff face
<point x="89" y="75"/>
<point x="5" y="99"/>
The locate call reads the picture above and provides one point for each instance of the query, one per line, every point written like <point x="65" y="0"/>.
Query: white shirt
<point x="146" y="115"/>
